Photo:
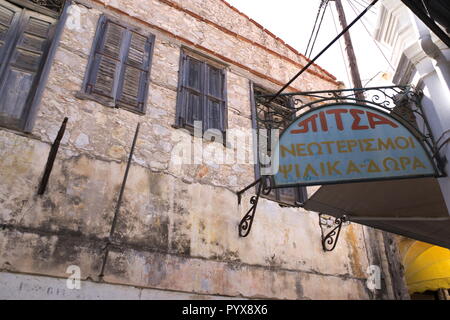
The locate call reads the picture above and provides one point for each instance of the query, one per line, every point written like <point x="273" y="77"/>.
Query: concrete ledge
<point x="30" y="287"/>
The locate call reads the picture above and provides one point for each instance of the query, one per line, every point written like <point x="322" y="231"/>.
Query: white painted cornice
<point x="408" y="38"/>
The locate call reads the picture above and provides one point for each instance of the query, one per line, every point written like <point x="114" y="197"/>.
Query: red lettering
<point x="311" y="123"/>
<point x="304" y="125"/>
<point x="377" y="120"/>
<point x="323" y="121"/>
<point x="338" y="116"/>
<point x="357" y="119"/>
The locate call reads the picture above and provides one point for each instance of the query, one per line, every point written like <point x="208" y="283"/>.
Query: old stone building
<point x="108" y="65"/>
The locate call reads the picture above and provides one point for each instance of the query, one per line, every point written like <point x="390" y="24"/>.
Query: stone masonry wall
<point x="177" y="227"/>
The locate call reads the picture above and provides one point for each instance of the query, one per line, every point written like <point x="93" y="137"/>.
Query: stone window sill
<point x="86" y="96"/>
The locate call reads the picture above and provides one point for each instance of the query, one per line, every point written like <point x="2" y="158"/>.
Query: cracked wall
<point x="177" y="226"/>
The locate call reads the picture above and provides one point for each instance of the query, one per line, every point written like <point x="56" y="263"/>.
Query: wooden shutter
<point x="9" y="22"/>
<point x="201" y="95"/>
<point x="288" y="195"/>
<point x="23" y="63"/>
<point x="135" y="73"/>
<point x="191" y="97"/>
<point x="9" y="18"/>
<point x="214" y="97"/>
<point x="106" y="65"/>
<point x="119" y="72"/>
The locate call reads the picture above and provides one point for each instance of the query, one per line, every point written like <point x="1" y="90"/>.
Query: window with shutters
<point x="277" y="114"/>
<point x="26" y="34"/>
<point x="201" y="94"/>
<point x="119" y="69"/>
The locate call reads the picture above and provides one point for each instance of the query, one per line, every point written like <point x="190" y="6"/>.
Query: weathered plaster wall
<point x="177" y="227"/>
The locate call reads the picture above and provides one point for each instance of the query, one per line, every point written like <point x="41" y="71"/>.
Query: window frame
<point x="36" y="91"/>
<point x="301" y="194"/>
<point x="206" y="62"/>
<point x="84" y="94"/>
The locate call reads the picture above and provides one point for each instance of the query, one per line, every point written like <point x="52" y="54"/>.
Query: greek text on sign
<point x="348" y="143"/>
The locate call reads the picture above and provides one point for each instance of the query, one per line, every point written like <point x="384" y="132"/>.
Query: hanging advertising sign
<point x="344" y="143"/>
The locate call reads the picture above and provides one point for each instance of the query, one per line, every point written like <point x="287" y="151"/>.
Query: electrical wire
<point x="311" y="62"/>
<point x="364" y="5"/>
<point x="324" y="5"/>
<point x="365" y="18"/>
<point x="314" y="27"/>
<point x="364" y="2"/>
<point x="368" y="32"/>
<point x="371" y="79"/>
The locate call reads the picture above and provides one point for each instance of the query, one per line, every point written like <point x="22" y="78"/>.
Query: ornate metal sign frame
<point x="401" y="102"/>
<point x="421" y="140"/>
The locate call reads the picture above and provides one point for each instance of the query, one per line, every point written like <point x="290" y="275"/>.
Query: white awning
<point x="413" y="208"/>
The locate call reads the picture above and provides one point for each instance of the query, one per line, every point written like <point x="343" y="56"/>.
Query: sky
<point x="293" y="21"/>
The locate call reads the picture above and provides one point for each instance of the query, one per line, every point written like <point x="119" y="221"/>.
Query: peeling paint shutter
<point x="201" y="95"/>
<point x="120" y="66"/>
<point x="191" y="104"/>
<point x="105" y="70"/>
<point x="215" y="104"/>
<point x="24" y="46"/>
<point x="292" y="195"/>
<point x="134" y="80"/>
<point x="9" y="18"/>
<point x="288" y="195"/>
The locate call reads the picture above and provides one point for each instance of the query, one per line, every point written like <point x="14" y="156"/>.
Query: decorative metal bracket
<point x="264" y="187"/>
<point x="330" y="237"/>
